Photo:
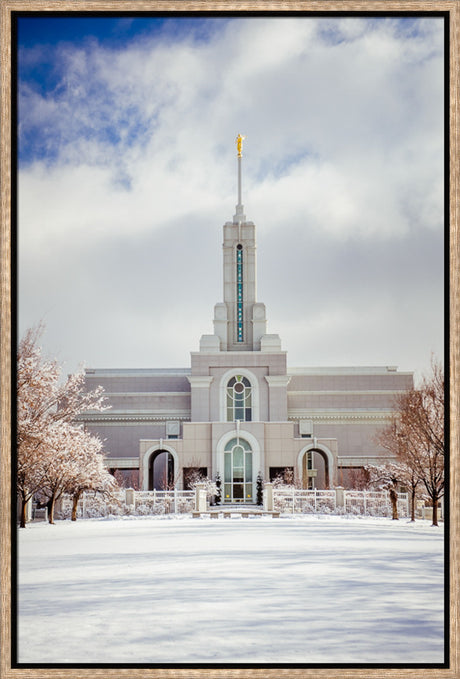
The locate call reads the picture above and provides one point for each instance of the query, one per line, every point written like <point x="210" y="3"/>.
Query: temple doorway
<point x="161" y="470"/>
<point x="315" y="470"/>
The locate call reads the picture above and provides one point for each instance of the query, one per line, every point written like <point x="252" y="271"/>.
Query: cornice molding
<point x="121" y="462"/>
<point x="359" y="460"/>
<point x="346" y="392"/>
<point x="134" y="417"/>
<point x="336" y="417"/>
<point x="142" y="394"/>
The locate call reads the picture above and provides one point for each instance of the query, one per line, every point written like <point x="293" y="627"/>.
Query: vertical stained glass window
<point x="239" y="293"/>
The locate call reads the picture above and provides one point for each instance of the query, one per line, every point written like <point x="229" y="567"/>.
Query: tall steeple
<point x="239" y="321"/>
<point x="239" y="215"/>
<point x="240" y="331"/>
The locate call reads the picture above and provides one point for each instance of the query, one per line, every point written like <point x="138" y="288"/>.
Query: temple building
<point x="239" y="410"/>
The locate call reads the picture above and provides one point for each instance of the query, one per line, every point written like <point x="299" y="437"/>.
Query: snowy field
<point x="314" y="589"/>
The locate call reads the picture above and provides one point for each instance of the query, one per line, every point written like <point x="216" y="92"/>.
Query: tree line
<point x="415" y="436"/>
<point x="55" y="455"/>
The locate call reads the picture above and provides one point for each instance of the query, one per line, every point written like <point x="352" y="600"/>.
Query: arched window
<point x="238" y="477"/>
<point x="239" y="399"/>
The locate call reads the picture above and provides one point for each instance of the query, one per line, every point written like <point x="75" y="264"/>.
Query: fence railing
<point x="337" y="500"/>
<point x="298" y="501"/>
<point x="174" y="501"/>
<point x="130" y="502"/>
<point x="375" y="503"/>
<point x="280" y="498"/>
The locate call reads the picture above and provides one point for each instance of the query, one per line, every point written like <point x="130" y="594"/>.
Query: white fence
<point x="173" y="501"/>
<point x="285" y="500"/>
<point x="374" y="503"/>
<point x="337" y="501"/>
<point x="297" y="501"/>
<point x="130" y="502"/>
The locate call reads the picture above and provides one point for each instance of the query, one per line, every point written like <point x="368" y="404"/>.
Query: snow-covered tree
<point x="193" y="475"/>
<point x="287" y="479"/>
<point x="197" y="475"/>
<point x="58" y="465"/>
<point x="410" y="480"/>
<point x="416" y="433"/>
<point x="45" y="400"/>
<point x="36" y="379"/>
<point x="209" y="486"/>
<point x="386" y="477"/>
<point x="358" y="478"/>
<point x="127" y="478"/>
<point x="88" y="472"/>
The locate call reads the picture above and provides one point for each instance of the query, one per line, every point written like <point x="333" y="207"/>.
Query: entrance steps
<point x="228" y="511"/>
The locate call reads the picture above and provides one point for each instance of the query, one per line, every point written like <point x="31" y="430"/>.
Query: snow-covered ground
<point x="314" y="589"/>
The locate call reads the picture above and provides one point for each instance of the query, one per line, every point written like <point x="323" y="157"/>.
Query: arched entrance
<point x="315" y="467"/>
<point x="238" y="471"/>
<point x="238" y="459"/>
<point x="315" y="470"/>
<point x="161" y="470"/>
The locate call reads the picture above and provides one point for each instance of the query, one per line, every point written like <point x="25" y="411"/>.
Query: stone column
<point x="268" y="497"/>
<point x="200" y="497"/>
<point x="200" y="385"/>
<point x="277" y="397"/>
<point x="339" y="496"/>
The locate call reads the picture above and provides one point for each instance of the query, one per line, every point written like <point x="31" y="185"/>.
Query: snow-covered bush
<point x="185" y="505"/>
<point x="159" y="509"/>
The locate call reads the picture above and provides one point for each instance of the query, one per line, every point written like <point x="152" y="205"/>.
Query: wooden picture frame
<point x="452" y="8"/>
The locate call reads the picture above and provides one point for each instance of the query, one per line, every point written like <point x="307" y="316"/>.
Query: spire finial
<point x="239" y="144"/>
<point x="239" y="216"/>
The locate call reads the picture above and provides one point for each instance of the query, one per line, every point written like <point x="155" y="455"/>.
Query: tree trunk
<point x="394" y="504"/>
<point x="51" y="504"/>
<point x="22" y="523"/>
<point x="435" y="510"/>
<point x="75" y="500"/>
<point x="412" y="508"/>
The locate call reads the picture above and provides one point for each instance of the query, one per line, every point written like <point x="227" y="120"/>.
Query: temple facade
<point x="239" y="411"/>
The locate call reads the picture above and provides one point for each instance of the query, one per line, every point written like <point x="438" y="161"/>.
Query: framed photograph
<point x="229" y="339"/>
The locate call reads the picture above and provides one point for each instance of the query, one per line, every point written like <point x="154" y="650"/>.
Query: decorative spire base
<point x="239" y="217"/>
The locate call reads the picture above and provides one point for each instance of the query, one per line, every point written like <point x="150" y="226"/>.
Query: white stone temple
<point x="239" y="410"/>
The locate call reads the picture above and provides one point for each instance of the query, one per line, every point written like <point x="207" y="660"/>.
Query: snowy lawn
<point x="314" y="589"/>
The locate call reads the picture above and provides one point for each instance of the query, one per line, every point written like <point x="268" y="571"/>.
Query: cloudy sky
<point x="127" y="172"/>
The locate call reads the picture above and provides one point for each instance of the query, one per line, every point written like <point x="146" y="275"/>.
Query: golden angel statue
<point x="239" y="144"/>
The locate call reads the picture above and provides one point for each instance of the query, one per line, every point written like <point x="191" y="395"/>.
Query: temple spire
<point x="239" y="216"/>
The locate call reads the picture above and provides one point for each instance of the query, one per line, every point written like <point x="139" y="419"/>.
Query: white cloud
<point x="344" y="145"/>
